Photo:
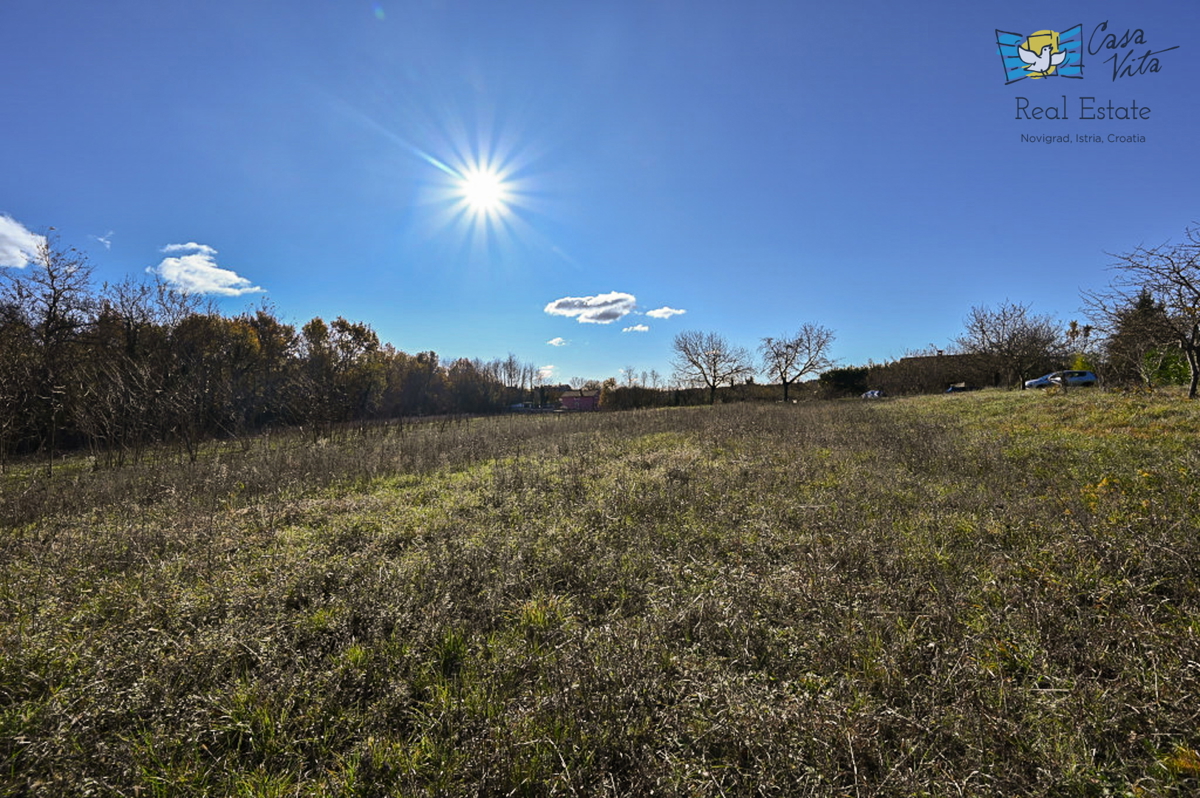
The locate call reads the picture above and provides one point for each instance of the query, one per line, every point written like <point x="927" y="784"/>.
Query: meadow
<point x="989" y="594"/>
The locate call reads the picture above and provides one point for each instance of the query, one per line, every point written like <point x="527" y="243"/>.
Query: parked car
<point x="1071" y="378"/>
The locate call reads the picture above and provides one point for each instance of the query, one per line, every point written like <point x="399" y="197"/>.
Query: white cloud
<point x="664" y="313"/>
<point x="18" y="246"/>
<point x="105" y="239"/>
<point x="203" y="249"/>
<point x="600" y="309"/>
<point x="637" y="328"/>
<point x="557" y="342"/>
<point x="198" y="273"/>
<point x="546" y="373"/>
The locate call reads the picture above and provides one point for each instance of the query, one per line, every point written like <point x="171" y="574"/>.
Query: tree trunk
<point x="1193" y="358"/>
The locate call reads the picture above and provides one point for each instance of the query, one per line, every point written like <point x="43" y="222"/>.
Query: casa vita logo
<point x="1042" y="54"/>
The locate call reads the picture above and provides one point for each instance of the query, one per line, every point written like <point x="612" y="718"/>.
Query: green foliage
<point x="1153" y="300"/>
<point x="1167" y="366"/>
<point x="932" y="372"/>
<point x="985" y="594"/>
<point x="1082" y="362"/>
<point x="1140" y="340"/>
<point x="849" y="381"/>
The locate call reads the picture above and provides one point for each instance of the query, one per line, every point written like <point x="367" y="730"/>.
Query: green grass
<point x="988" y="594"/>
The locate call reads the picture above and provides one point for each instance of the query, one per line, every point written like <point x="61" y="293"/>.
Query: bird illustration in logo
<point x="1042" y="54"/>
<point x="1041" y="62"/>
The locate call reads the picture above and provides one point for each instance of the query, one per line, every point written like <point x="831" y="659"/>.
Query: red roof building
<point x="580" y="400"/>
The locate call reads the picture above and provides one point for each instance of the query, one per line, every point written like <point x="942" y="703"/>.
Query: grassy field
<point x="979" y="594"/>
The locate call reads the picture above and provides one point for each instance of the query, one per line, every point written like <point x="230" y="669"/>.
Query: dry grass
<point x="995" y="594"/>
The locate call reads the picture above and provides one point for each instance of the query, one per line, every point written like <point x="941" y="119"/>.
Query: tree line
<point x="1135" y="342"/>
<point x="121" y="367"/>
<point x="1142" y="329"/>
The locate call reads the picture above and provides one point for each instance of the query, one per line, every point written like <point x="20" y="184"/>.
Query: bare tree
<point x="789" y="358"/>
<point x="708" y="360"/>
<point x="1012" y="339"/>
<point x="510" y="369"/>
<point x="1167" y="276"/>
<point x="528" y="374"/>
<point x="54" y="300"/>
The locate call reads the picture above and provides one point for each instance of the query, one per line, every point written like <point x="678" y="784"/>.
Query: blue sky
<point x="757" y="165"/>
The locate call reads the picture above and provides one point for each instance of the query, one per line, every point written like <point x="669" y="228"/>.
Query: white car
<point x="1071" y="378"/>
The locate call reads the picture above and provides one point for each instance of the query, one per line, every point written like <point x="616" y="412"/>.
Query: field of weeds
<point x="980" y="594"/>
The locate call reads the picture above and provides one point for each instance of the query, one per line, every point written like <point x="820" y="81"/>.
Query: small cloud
<point x="557" y="342"/>
<point x="664" y="313"/>
<point x="18" y="246"/>
<point x="105" y="239"/>
<point x="546" y="373"/>
<point x="599" y="309"/>
<point x="198" y="273"/>
<point x="637" y="328"/>
<point x="191" y="246"/>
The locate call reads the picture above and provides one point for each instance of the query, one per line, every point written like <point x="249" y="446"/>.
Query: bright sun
<point x="484" y="191"/>
<point x="480" y="190"/>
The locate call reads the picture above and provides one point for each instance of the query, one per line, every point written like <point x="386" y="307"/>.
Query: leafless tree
<point x="1012" y="339"/>
<point x="511" y="370"/>
<point x="54" y="300"/>
<point x="789" y="358"/>
<point x="708" y="360"/>
<point x="1168" y="275"/>
<point x="528" y="374"/>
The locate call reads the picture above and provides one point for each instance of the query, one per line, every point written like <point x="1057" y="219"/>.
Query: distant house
<point x="580" y="400"/>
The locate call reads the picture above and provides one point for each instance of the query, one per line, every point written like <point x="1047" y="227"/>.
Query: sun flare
<point x="484" y="191"/>
<point x="480" y="191"/>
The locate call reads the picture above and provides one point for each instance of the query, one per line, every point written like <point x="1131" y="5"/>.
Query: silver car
<point x="1071" y="378"/>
